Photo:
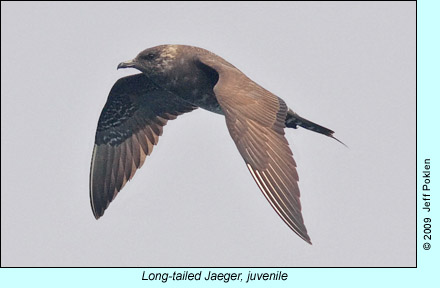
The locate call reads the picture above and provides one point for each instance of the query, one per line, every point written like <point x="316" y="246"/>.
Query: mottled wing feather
<point x="129" y="126"/>
<point x="256" y="121"/>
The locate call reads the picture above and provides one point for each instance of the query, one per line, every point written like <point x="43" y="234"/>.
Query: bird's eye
<point x="148" y="56"/>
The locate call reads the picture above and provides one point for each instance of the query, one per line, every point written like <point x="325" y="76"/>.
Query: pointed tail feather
<point x="293" y="120"/>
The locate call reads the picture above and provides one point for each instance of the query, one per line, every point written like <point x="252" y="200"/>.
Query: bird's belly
<point x="208" y="102"/>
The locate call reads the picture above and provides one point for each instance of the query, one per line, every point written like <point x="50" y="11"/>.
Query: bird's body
<point x="182" y="76"/>
<point x="177" y="79"/>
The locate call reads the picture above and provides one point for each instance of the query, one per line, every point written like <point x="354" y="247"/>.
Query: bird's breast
<point x="197" y="89"/>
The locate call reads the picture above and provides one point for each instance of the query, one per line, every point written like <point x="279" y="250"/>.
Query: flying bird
<point x="177" y="79"/>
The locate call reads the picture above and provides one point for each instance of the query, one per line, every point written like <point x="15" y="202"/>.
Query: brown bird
<point x="176" y="79"/>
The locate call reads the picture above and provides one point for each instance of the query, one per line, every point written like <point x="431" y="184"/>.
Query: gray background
<point x="348" y="66"/>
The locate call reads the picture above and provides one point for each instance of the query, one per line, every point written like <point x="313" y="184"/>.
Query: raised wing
<point x="256" y="121"/>
<point x="129" y="126"/>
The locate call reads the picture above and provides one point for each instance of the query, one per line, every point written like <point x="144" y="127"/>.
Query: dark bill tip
<point x="126" y="64"/>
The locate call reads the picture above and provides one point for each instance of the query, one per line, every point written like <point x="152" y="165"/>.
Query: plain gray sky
<point x="349" y="66"/>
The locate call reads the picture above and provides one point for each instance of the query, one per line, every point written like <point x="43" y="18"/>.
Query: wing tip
<point x="97" y="215"/>
<point x="307" y="239"/>
<point x="302" y="234"/>
<point x="301" y="230"/>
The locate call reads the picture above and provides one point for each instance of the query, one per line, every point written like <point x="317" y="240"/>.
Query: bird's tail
<point x="293" y="120"/>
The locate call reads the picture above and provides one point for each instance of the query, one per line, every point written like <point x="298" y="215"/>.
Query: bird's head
<point x="156" y="61"/>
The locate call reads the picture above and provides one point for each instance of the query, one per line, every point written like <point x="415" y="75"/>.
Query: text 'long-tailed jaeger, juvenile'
<point x="176" y="79"/>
